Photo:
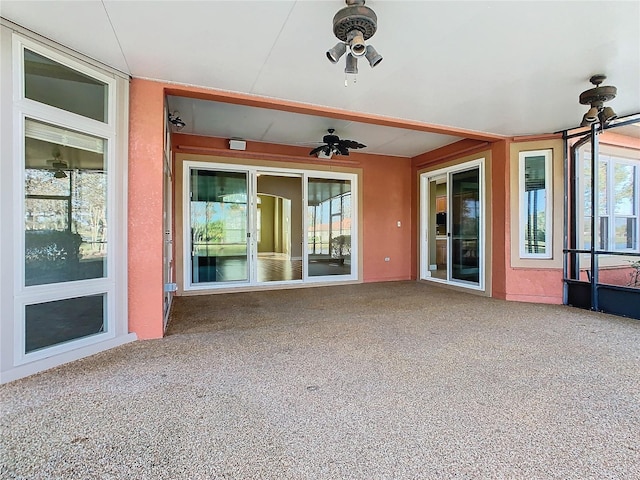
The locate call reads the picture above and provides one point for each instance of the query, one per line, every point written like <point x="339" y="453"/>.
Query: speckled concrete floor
<point x="375" y="381"/>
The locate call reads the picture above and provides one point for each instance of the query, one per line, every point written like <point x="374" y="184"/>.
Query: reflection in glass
<point x="624" y="176"/>
<point x="617" y="203"/>
<point x="51" y="83"/>
<point x="52" y="323"/>
<point x="65" y="205"/>
<point x="218" y="226"/>
<point x="437" y="228"/>
<point x="329" y="231"/>
<point x="625" y="229"/>
<point x="535" y="185"/>
<point x="279" y="234"/>
<point x="465" y="225"/>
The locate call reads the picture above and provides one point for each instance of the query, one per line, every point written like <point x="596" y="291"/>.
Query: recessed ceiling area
<point x="227" y="120"/>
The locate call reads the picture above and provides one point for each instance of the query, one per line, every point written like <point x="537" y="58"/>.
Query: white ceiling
<point x="505" y="68"/>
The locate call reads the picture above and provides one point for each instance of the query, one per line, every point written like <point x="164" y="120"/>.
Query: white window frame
<point x="114" y="131"/>
<point x="614" y="160"/>
<point x="548" y="194"/>
<point x="425" y="208"/>
<point x="355" y="249"/>
<point x="610" y="160"/>
<point x="252" y="171"/>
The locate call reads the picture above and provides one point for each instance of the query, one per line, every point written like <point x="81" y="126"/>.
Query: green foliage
<point x="212" y="232"/>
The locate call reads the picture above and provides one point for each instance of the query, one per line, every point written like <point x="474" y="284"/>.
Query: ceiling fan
<point x="58" y="164"/>
<point x="334" y="145"/>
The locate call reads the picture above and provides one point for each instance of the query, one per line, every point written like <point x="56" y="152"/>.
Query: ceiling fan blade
<point x="343" y="150"/>
<point x="352" y="144"/>
<point x="317" y="149"/>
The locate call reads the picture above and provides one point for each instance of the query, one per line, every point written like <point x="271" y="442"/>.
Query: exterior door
<point x="464" y="224"/>
<point x="245" y="226"/>
<point x="330" y="234"/>
<point x="278" y="229"/>
<point x="219" y="226"/>
<point x="452" y="216"/>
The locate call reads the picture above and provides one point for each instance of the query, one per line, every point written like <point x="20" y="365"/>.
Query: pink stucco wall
<point x="145" y="238"/>
<point x="387" y="201"/>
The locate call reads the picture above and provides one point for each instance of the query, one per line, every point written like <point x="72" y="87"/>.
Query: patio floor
<point x="385" y="380"/>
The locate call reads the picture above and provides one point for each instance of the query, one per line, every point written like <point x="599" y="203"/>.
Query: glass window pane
<point x="465" y="225"/>
<point x="219" y="219"/>
<point x="586" y="173"/>
<point x="625" y="198"/>
<point x="65" y="205"/>
<point x="625" y="237"/>
<point x="52" y="323"/>
<point x="586" y="234"/>
<point x="603" y="194"/>
<point x="603" y="233"/>
<point x="535" y="205"/>
<point x="46" y="182"/>
<point x="329" y="233"/>
<point x="46" y="214"/>
<point x="51" y="83"/>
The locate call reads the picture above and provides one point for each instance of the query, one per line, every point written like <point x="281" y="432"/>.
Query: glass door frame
<point x="188" y="167"/>
<point x="168" y="264"/>
<point x="271" y="172"/>
<point x="425" y="209"/>
<point x="252" y="172"/>
<point x="354" y="245"/>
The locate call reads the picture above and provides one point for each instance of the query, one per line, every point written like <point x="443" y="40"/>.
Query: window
<point x="65" y="209"/>
<point x="52" y="83"/>
<point x="535" y="204"/>
<point x="65" y="205"/>
<point x="617" y="212"/>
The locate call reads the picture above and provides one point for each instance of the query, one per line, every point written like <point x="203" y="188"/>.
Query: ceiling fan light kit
<point x="353" y="25"/>
<point x="595" y="98"/>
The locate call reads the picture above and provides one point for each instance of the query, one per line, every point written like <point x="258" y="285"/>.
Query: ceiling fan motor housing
<point x="598" y="95"/>
<point x="355" y="17"/>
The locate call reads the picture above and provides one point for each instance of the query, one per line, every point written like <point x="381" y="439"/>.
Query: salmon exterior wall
<point x="387" y="201"/>
<point x="145" y="235"/>
<point x="534" y="285"/>
<point x="499" y="217"/>
<point x="534" y="280"/>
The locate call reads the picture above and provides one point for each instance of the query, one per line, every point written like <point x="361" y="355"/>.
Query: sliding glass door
<point x="278" y="236"/>
<point x="452" y="219"/>
<point x="329" y="227"/>
<point x="219" y="224"/>
<point x="246" y="226"/>
<point x="465" y="226"/>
